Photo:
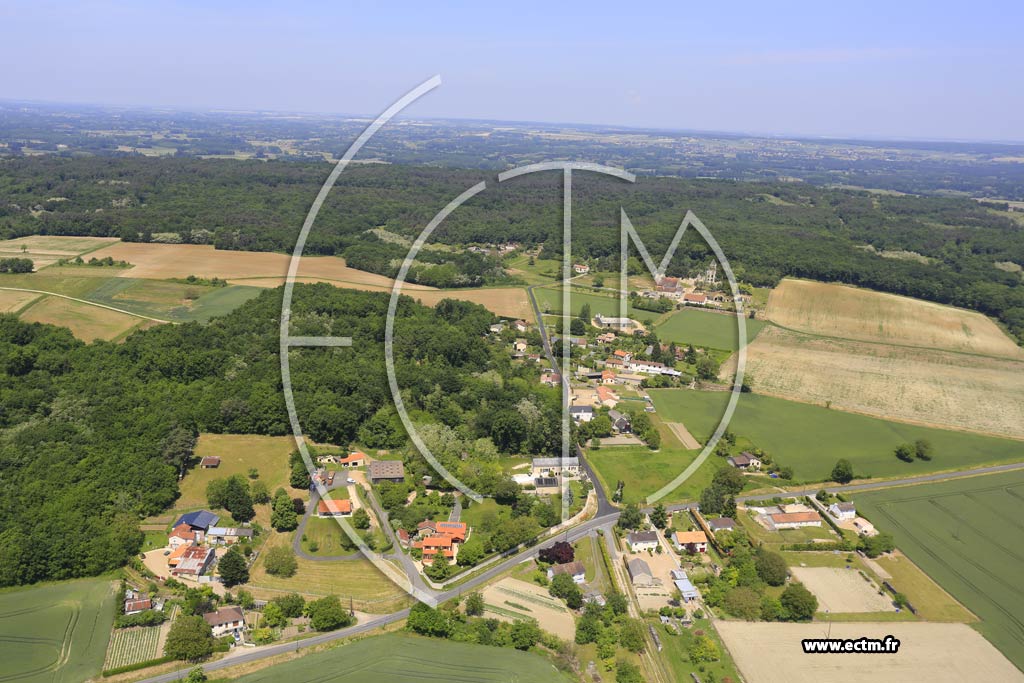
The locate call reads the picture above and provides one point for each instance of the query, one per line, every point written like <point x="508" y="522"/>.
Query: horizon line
<point x="226" y="111"/>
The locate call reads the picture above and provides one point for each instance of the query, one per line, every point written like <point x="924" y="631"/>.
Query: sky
<point x="894" y="69"/>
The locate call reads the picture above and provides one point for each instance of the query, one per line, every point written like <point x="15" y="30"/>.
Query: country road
<point x="606" y="516"/>
<point x="869" y="486"/>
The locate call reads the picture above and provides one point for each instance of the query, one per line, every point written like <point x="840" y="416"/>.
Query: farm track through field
<point x="86" y="301"/>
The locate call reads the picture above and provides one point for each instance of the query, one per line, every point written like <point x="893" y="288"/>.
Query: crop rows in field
<point x="132" y="645"/>
<point x="968" y="536"/>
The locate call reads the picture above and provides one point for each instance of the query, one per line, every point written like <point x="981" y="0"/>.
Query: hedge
<point x="136" y="666"/>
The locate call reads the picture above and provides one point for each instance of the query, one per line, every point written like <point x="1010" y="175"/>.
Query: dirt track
<point x="684" y="435"/>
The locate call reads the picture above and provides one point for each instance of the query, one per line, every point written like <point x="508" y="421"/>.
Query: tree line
<point x="820" y="233"/>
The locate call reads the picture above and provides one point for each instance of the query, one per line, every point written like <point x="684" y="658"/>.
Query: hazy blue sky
<point x="876" y="69"/>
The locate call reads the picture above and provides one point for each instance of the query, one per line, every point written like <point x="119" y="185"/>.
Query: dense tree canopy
<point x="804" y="231"/>
<point x="95" y="435"/>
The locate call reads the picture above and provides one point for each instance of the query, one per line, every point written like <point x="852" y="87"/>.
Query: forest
<point x="94" y="436"/>
<point x="949" y="247"/>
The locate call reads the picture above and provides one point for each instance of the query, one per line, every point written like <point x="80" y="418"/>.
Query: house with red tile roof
<point x="333" y="508"/>
<point x="182" y="534"/>
<point x="795" y="520"/>
<point x="434" y="544"/>
<point x="690" y="541"/>
<point x="353" y="459"/>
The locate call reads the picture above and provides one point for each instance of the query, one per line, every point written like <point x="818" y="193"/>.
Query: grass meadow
<point x="55" y="633"/>
<point x="403" y="658"/>
<point x="237" y="453"/>
<point x="966" y="535"/>
<point x="811" y="438"/>
<point x="705" y="328"/>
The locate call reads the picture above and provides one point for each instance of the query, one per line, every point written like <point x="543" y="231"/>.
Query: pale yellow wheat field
<point x="848" y="312"/>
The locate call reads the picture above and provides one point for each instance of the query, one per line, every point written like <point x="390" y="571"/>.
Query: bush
<point x="136" y="666"/>
<point x="771" y="567"/>
<point x="799" y="603"/>
<point x="280" y="561"/>
<point x="150" y="617"/>
<point x="327" y="614"/>
<point x="292" y="605"/>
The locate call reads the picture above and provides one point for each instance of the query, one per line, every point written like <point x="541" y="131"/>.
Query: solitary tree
<point x="923" y="449"/>
<point x="842" y="473"/>
<point x="232" y="567"/>
<point x="474" y="604"/>
<point x="361" y="519"/>
<point x="630" y="518"/>
<point x="189" y="639"/>
<point x="659" y="517"/>
<point x="905" y="452"/>
<point x="327" y="614"/>
<point x="283" y="517"/>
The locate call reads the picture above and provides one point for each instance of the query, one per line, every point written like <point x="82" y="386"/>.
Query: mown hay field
<point x="935" y="387"/>
<point x="87" y="322"/>
<point x="404" y="658"/>
<point x="850" y="313"/>
<point x="55" y="633"/>
<point x="842" y="590"/>
<point x="162" y="261"/>
<point x="939" y="653"/>
<point x="55" y="245"/>
<point x="12" y="301"/>
<point x="811" y="438"/>
<point x="967" y="536"/>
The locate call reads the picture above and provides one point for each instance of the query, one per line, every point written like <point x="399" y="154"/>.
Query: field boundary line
<point x="817" y="335"/>
<point x="86" y="301"/>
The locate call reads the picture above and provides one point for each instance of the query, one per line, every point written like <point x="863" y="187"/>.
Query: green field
<point x="402" y="658"/>
<point x="646" y="471"/>
<point x="811" y="438"/>
<point x="57" y="632"/>
<point x="967" y="535"/>
<point x="705" y="328"/>
<point x="603" y="304"/>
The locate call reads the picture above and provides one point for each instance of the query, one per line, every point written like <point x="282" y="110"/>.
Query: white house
<point x="614" y="323"/>
<point x="581" y="268"/>
<point x="574" y="569"/>
<point x="226" y="620"/>
<point x="843" y="510"/>
<point x="642" y="540"/>
<point x="581" y="413"/>
<point x="546" y="467"/>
